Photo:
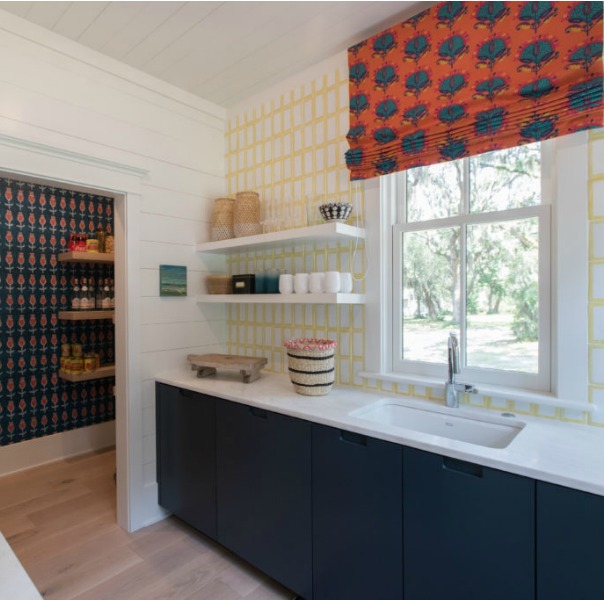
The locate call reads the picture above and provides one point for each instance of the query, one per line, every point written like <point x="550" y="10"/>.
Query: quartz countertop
<point x="14" y="581"/>
<point x="553" y="451"/>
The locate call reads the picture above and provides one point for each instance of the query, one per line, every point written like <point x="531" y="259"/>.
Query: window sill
<point x="485" y="390"/>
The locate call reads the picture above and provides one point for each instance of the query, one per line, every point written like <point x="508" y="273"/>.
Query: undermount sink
<point x="489" y="432"/>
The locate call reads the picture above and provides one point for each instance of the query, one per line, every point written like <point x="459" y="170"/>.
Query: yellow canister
<point x="108" y="243"/>
<point x="89" y="363"/>
<point x="77" y="366"/>
<point x="76" y="350"/>
<point x="65" y="350"/>
<point x="92" y="245"/>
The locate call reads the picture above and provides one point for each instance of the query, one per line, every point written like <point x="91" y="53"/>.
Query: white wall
<point x="62" y="96"/>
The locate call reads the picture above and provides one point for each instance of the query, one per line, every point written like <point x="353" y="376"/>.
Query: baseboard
<point x="39" y="451"/>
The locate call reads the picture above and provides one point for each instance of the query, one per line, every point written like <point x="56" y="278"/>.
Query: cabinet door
<point x="570" y="534"/>
<point x="186" y="456"/>
<point x="264" y="514"/>
<point x="468" y="531"/>
<point x="357" y="517"/>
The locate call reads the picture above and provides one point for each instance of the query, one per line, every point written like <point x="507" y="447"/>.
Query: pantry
<point x="58" y="364"/>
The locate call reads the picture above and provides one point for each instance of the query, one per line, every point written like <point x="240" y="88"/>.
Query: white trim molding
<point x="42" y="163"/>
<point x="78" y="157"/>
<point x="491" y="391"/>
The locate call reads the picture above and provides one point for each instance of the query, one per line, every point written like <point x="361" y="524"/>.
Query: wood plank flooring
<point x="60" y="520"/>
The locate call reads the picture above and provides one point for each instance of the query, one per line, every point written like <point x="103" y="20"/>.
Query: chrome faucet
<point x="453" y="388"/>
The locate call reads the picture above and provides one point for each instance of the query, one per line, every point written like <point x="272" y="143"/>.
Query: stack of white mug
<point x="330" y="282"/>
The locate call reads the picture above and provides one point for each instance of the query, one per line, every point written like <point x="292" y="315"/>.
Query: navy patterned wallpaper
<point x="35" y="224"/>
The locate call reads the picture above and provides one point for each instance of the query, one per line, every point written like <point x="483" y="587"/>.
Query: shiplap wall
<point x="57" y="93"/>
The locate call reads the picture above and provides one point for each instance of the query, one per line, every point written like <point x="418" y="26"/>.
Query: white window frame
<point x="540" y="380"/>
<point x="565" y="183"/>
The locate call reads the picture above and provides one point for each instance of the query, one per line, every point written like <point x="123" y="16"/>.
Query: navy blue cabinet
<point x="357" y="517"/>
<point x="570" y="542"/>
<point x="468" y="531"/>
<point x="186" y="456"/>
<point x="335" y="515"/>
<point x="264" y="492"/>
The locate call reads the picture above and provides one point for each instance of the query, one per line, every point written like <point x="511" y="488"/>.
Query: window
<point x="471" y="254"/>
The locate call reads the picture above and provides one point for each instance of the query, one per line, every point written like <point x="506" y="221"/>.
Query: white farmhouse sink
<point x="493" y="432"/>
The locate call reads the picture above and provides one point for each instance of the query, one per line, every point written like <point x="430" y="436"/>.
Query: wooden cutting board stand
<point x="207" y="364"/>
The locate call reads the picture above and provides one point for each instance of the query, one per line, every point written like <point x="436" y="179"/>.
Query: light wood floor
<point x="60" y="521"/>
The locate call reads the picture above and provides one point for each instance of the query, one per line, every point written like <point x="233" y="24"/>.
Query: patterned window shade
<point x="462" y="78"/>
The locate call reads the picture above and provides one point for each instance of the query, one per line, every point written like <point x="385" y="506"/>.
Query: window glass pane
<point x="434" y="192"/>
<point x="502" y="291"/>
<point x="506" y="179"/>
<point x="430" y="292"/>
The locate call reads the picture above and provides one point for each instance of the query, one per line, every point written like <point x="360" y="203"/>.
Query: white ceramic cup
<point x="346" y="283"/>
<point x="286" y="283"/>
<point x="332" y="282"/>
<point x="301" y="283"/>
<point x="315" y="282"/>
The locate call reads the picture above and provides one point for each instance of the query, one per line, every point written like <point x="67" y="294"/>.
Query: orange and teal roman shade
<point x="462" y="78"/>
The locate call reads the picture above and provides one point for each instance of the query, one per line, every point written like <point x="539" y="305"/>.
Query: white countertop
<point x="553" y="451"/>
<point x="14" y="581"/>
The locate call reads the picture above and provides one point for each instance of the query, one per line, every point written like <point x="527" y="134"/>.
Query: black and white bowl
<point x="335" y="211"/>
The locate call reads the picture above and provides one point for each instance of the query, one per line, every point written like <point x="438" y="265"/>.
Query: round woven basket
<point x="311" y="365"/>
<point x="246" y="214"/>
<point x="221" y="227"/>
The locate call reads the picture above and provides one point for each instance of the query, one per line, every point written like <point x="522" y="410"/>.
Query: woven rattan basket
<point x="219" y="284"/>
<point x="246" y="214"/>
<point x="311" y="365"/>
<point x="222" y="219"/>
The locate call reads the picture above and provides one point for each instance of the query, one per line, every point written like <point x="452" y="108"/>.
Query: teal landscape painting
<point x="172" y="280"/>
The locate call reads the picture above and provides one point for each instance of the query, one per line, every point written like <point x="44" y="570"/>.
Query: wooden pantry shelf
<point x="327" y="232"/>
<point x="84" y="315"/>
<point x="100" y="373"/>
<point x="281" y="298"/>
<point x="87" y="257"/>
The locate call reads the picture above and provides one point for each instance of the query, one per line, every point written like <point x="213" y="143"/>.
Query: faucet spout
<point x="453" y="388"/>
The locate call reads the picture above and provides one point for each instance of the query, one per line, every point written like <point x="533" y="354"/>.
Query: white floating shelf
<point x="282" y="298"/>
<point x="327" y="232"/>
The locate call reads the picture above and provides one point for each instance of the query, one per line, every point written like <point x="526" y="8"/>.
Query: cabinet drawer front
<point x="186" y="456"/>
<point x="471" y="526"/>
<point x="570" y="537"/>
<point x="357" y="516"/>
<point x="264" y="487"/>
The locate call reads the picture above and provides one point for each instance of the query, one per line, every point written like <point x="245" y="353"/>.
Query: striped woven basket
<point x="311" y="365"/>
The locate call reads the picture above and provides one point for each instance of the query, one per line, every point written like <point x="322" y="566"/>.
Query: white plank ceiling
<point x="221" y="51"/>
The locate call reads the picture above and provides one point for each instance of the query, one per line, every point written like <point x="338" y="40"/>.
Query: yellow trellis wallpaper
<point x="290" y="150"/>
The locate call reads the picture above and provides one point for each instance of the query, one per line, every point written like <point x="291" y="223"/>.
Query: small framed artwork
<point x="172" y="280"/>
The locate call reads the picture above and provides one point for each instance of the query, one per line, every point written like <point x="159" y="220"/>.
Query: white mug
<point x="286" y="283"/>
<point x="346" y="283"/>
<point x="301" y="283"/>
<point x="315" y="283"/>
<point x="332" y="282"/>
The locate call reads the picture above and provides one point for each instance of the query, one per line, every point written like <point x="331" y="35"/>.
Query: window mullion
<point x="465" y="188"/>
<point x="463" y="263"/>
<point x="463" y="270"/>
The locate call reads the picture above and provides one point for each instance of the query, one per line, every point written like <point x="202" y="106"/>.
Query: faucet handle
<point x="465" y="388"/>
